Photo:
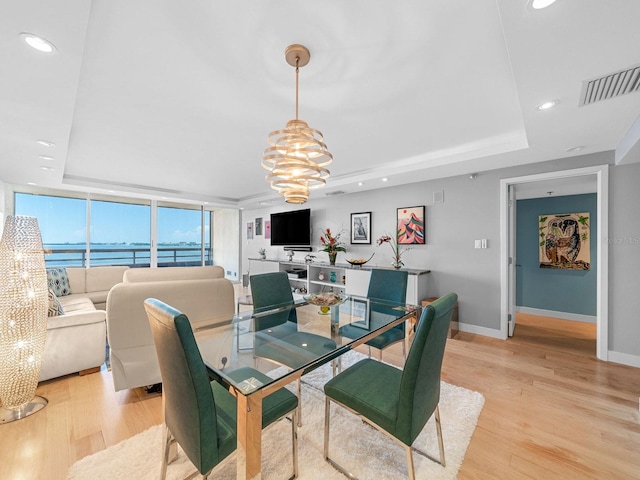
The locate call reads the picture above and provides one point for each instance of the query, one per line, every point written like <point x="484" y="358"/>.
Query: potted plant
<point x="263" y="253"/>
<point x="332" y="245"/>
<point x="397" y="251"/>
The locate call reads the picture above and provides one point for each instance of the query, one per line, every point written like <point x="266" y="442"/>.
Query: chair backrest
<point x="388" y="285"/>
<point x="189" y="407"/>
<point x="272" y="290"/>
<point x="420" y="384"/>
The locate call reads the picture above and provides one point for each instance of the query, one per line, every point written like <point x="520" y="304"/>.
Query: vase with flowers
<point x="395" y="247"/>
<point x="332" y="245"/>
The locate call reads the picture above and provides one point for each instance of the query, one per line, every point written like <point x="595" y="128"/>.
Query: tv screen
<point x="291" y="229"/>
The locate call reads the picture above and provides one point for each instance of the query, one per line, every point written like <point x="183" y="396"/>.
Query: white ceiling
<point x="176" y="99"/>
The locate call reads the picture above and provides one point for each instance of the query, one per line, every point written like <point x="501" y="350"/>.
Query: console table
<point x="348" y="279"/>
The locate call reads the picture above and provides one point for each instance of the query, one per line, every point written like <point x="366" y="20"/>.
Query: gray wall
<point x="569" y="291"/>
<point x="471" y="211"/>
<point x="624" y="259"/>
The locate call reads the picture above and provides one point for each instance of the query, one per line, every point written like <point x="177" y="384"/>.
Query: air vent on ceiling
<point x="610" y="86"/>
<point x="336" y="192"/>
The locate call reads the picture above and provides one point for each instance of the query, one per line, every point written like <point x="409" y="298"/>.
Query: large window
<point x="63" y="226"/>
<point x="120" y="233"/>
<point x="184" y="235"/>
<point x="130" y="231"/>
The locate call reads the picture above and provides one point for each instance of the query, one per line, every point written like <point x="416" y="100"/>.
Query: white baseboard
<point x="615" y="357"/>
<point x="624" y="358"/>
<point x="563" y="315"/>
<point x="487" y="332"/>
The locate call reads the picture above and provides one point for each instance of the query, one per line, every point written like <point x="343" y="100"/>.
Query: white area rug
<point x="362" y="450"/>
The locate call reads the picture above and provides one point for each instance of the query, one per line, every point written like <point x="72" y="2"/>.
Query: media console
<point x="320" y="277"/>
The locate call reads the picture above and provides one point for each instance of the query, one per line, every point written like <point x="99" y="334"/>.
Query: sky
<point x="63" y="220"/>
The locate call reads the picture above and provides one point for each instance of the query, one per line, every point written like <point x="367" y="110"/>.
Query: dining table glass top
<point x="292" y="339"/>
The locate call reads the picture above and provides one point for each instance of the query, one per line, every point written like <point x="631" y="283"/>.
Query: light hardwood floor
<point x="552" y="411"/>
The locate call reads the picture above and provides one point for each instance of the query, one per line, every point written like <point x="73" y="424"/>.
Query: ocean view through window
<point x="120" y="231"/>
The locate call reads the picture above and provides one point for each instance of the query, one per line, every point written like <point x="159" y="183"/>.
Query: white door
<point x="511" y="279"/>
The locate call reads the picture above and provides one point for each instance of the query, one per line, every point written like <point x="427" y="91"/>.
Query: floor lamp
<point x="23" y="317"/>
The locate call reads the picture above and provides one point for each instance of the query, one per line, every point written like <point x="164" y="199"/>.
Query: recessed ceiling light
<point x="548" y="105"/>
<point x="539" y="4"/>
<point x="32" y="183"/>
<point x="45" y="157"/>
<point x="39" y="43"/>
<point x="45" y="143"/>
<point x="48" y="169"/>
<point x="360" y="184"/>
<point x="575" y="149"/>
<point x="385" y="179"/>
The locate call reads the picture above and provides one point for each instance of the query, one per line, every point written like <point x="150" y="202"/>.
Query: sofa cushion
<point x="55" y="308"/>
<point x="58" y="281"/>
<point x="75" y="319"/>
<point x="76" y="279"/>
<point x="165" y="274"/>
<point x="101" y="279"/>
<point x="76" y="303"/>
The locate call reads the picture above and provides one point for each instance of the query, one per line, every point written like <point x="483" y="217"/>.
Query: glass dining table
<point x="282" y="334"/>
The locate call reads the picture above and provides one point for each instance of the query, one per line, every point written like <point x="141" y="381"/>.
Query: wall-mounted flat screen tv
<point x="291" y="229"/>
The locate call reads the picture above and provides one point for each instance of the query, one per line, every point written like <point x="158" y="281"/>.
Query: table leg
<point x="249" y="436"/>
<point x="335" y="336"/>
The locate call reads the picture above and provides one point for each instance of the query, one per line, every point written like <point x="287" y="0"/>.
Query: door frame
<point x="602" y="285"/>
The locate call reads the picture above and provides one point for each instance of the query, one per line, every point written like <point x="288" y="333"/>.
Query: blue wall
<point x="570" y="291"/>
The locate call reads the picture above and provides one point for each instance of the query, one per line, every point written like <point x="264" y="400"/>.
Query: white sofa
<point x="76" y="341"/>
<point x="202" y="293"/>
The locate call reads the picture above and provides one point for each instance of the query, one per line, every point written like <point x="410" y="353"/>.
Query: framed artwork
<point x="249" y="230"/>
<point x="410" y="223"/>
<point x="258" y="226"/>
<point x="267" y="229"/>
<point x="361" y="227"/>
<point x="564" y="241"/>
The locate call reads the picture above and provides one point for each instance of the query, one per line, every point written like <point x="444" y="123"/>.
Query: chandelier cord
<point x="297" y="74"/>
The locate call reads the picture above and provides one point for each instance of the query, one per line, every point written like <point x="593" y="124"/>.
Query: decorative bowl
<point x="358" y="262"/>
<point x="325" y="299"/>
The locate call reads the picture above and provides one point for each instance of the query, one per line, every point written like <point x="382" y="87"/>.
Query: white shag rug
<point x="359" y="448"/>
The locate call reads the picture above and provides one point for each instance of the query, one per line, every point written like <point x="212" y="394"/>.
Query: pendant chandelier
<point x="296" y="156"/>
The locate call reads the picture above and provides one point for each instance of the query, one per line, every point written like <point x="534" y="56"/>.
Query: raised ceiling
<point x="175" y="99"/>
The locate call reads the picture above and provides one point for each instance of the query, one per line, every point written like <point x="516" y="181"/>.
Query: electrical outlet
<point x="478" y="244"/>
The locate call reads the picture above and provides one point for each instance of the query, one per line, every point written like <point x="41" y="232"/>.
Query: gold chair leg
<point x="327" y="406"/>
<point x="440" y="441"/>
<point x="294" y="441"/>
<point x="167" y="439"/>
<point x="299" y="387"/>
<point x="410" y="467"/>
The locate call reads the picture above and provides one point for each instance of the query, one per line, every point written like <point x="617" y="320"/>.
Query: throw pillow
<point x="55" y="308"/>
<point x="58" y="281"/>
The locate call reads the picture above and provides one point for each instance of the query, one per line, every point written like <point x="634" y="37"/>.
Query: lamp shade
<point x="23" y="311"/>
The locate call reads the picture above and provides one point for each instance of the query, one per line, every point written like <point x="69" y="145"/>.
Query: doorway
<point x="507" y="243"/>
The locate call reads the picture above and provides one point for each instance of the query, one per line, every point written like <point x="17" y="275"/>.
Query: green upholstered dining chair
<point x="276" y="331"/>
<point x="386" y="285"/>
<point x="398" y="402"/>
<point x="198" y="414"/>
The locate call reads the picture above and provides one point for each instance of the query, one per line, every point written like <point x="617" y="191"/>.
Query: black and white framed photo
<point x="361" y="227"/>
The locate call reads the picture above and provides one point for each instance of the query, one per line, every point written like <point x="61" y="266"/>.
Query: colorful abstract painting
<point x="411" y="225"/>
<point x="564" y="241"/>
